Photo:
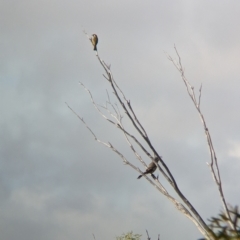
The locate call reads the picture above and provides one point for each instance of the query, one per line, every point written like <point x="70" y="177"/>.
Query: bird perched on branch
<point x="94" y="41"/>
<point x="151" y="168"/>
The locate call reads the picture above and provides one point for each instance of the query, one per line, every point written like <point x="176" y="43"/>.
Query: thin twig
<point x="199" y="98"/>
<point x="214" y="163"/>
<point x="148" y="238"/>
<point x="118" y="123"/>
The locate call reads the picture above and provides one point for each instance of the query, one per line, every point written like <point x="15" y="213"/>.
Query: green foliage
<point x="220" y="226"/>
<point x="129" y="236"/>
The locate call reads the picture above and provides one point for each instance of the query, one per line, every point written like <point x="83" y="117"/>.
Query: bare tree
<point x="111" y="113"/>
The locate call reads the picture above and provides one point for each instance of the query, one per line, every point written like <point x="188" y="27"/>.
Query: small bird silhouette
<point x="94" y="41"/>
<point x="151" y="168"/>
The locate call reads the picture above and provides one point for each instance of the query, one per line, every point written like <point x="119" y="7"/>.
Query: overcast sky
<point x="56" y="182"/>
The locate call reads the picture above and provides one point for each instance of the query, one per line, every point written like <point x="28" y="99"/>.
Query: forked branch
<point x="116" y="119"/>
<point x="168" y="175"/>
<point x="213" y="158"/>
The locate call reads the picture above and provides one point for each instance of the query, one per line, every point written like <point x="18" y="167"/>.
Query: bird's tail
<point x="95" y="48"/>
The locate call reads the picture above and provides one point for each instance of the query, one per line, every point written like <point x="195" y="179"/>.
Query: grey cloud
<point x="56" y="182"/>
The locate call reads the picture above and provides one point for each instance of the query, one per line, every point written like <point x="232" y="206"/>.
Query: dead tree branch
<point x="116" y="119"/>
<point x="164" y="169"/>
<point x="214" y="162"/>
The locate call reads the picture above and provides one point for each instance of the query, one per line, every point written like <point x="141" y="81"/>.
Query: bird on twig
<point x="151" y="168"/>
<point x="94" y="41"/>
